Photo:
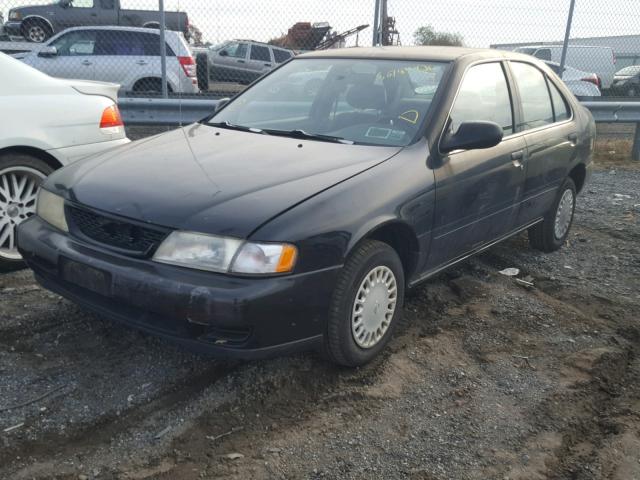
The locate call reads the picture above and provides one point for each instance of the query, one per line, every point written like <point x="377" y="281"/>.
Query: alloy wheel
<point x="18" y="193"/>
<point x="36" y="34"/>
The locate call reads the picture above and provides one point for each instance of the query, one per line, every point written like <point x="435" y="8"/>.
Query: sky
<point x="481" y="22"/>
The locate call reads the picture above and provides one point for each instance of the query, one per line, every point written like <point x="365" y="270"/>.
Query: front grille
<point x="114" y="232"/>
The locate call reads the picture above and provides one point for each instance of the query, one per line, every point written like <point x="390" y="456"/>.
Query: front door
<point x="477" y="191"/>
<point x="74" y="58"/>
<point x="80" y="13"/>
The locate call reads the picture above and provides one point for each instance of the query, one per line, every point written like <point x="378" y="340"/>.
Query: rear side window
<point x="484" y="96"/>
<point x="560" y="106"/>
<point x="543" y="54"/>
<point x="534" y="94"/>
<point x="121" y="43"/>
<point x="260" y="53"/>
<point x="281" y="55"/>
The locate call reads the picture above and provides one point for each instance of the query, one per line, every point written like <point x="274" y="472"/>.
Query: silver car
<point x="125" y="55"/>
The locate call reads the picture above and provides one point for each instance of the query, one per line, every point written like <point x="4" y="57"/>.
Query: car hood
<point x="211" y="180"/>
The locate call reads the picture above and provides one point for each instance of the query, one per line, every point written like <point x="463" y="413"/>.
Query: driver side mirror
<point x="224" y="53"/>
<point x="472" y="136"/>
<point x="65" y="3"/>
<point x="48" y="52"/>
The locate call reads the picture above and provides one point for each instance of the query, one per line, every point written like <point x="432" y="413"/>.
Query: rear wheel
<point x="150" y="85"/>
<point x="20" y="177"/>
<point x="366" y="304"/>
<point x="550" y="234"/>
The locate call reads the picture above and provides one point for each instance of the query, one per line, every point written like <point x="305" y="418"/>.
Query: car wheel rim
<point x="374" y="307"/>
<point x="564" y="214"/>
<point x="36" y="34"/>
<point x="18" y="193"/>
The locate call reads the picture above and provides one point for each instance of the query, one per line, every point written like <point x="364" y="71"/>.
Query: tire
<point x="36" y="31"/>
<point x="202" y="71"/>
<point x="150" y="86"/>
<point x="351" y="319"/>
<point x="632" y="92"/>
<point x="17" y="203"/>
<point x="544" y="236"/>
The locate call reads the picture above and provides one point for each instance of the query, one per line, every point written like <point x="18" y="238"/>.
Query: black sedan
<point x="626" y="82"/>
<point x="290" y="221"/>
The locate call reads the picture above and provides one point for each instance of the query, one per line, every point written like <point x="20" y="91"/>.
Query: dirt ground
<point x="487" y="378"/>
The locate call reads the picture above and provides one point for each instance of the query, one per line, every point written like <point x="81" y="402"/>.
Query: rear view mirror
<point x="471" y="136"/>
<point x="224" y="53"/>
<point x="48" y="52"/>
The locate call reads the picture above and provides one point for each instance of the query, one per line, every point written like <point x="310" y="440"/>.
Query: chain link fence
<point x="215" y="48"/>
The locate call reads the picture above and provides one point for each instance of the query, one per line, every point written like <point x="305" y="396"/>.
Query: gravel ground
<point x="487" y="378"/>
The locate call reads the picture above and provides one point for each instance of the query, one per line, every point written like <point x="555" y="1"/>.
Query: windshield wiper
<point x="297" y="133"/>
<point x="233" y="126"/>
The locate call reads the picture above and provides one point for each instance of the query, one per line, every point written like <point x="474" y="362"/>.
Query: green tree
<point x="427" y="35"/>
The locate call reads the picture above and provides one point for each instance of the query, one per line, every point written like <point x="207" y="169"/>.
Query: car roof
<point x="120" y="29"/>
<point x="433" y="53"/>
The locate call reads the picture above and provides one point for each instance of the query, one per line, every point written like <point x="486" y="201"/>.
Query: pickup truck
<point x="38" y="23"/>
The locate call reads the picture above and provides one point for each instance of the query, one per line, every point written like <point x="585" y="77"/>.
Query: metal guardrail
<point x="163" y="112"/>
<point x="619" y="112"/>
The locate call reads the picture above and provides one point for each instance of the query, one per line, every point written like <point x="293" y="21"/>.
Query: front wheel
<point x="36" y="32"/>
<point x="366" y="304"/>
<point x="550" y="234"/>
<point x="20" y="177"/>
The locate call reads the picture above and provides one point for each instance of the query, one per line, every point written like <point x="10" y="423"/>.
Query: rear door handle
<point x="573" y="137"/>
<point x="86" y="62"/>
<point x="267" y="64"/>
<point x="240" y="61"/>
<point x="141" y="62"/>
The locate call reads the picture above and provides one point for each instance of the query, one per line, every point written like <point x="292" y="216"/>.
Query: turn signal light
<point x="287" y="259"/>
<point x="111" y="117"/>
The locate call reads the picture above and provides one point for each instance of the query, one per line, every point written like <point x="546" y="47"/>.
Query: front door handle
<point x="240" y="61"/>
<point x="573" y="137"/>
<point x="141" y="62"/>
<point x="267" y="64"/>
<point x="516" y="159"/>
<point x="86" y="63"/>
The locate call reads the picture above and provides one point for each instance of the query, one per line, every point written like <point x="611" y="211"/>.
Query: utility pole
<point x="376" y="24"/>
<point x="567" y="34"/>
<point x="163" y="52"/>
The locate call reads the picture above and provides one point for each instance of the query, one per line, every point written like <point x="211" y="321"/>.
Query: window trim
<point x="71" y="32"/>
<point x="513" y="95"/>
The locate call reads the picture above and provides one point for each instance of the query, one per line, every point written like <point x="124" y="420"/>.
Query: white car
<point x="125" y="55"/>
<point x="46" y="123"/>
<point x="581" y="84"/>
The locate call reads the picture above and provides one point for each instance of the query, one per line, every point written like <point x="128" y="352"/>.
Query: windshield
<point x="375" y="102"/>
<point x="527" y="50"/>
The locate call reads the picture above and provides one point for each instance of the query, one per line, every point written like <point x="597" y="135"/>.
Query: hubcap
<point x="374" y="306"/>
<point x="36" y="34"/>
<point x="18" y="192"/>
<point x="564" y="214"/>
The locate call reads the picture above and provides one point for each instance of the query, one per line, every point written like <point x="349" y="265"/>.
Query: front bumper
<point x="13" y="28"/>
<point x="236" y="317"/>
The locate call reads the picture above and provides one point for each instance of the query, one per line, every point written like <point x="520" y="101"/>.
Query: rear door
<point x="260" y="60"/>
<point x="75" y="58"/>
<point x="550" y="134"/>
<point x="477" y="191"/>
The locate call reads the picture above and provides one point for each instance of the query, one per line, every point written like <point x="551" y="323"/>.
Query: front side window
<point x="373" y="102"/>
<point x="484" y="96"/>
<point x="534" y="94"/>
<point x="235" y="50"/>
<point x="78" y="43"/>
<point x="260" y="53"/>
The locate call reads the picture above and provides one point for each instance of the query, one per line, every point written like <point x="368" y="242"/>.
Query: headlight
<point x="50" y="208"/>
<point x="223" y="254"/>
<point x="15" y="15"/>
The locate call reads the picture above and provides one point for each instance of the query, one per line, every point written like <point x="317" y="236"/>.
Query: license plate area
<point x="90" y="278"/>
